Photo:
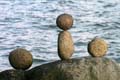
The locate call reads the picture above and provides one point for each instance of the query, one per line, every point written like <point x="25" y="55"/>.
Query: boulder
<point x="12" y="75"/>
<point x="86" y="68"/>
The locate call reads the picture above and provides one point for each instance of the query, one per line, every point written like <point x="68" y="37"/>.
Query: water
<point x="31" y="24"/>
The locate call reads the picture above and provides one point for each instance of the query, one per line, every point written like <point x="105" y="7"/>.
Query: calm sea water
<point x="31" y="24"/>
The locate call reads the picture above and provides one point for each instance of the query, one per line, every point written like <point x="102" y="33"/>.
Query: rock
<point x="97" y="47"/>
<point x="20" y="59"/>
<point x="64" y="21"/>
<point x="12" y="75"/>
<point x="87" y="68"/>
<point x="65" y="45"/>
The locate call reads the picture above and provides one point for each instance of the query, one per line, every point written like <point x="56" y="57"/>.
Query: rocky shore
<point x="96" y="67"/>
<point x="86" y="68"/>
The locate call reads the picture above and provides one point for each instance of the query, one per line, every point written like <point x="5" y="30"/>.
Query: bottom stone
<point x="87" y="68"/>
<point x="12" y="75"/>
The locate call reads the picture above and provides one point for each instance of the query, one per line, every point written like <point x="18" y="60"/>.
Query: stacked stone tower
<point x="65" y="42"/>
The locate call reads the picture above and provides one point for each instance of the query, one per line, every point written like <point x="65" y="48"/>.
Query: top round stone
<point x="97" y="47"/>
<point x="64" y="21"/>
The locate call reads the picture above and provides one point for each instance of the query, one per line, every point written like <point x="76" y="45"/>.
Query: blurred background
<point x="31" y="24"/>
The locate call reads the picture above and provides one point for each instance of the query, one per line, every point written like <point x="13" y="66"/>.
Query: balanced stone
<point x="65" y="45"/>
<point x="20" y="59"/>
<point x="97" y="47"/>
<point x="64" y="21"/>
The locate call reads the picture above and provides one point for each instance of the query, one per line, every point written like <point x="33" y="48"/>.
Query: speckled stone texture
<point x="20" y="59"/>
<point x="64" y="21"/>
<point x="97" y="47"/>
<point x="87" y="68"/>
<point x="65" y="45"/>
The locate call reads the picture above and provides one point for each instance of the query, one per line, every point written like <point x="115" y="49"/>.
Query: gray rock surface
<point x="87" y="68"/>
<point x="12" y="75"/>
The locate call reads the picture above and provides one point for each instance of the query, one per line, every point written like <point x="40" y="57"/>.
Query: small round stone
<point x="97" y="47"/>
<point x="20" y="59"/>
<point x="64" y="21"/>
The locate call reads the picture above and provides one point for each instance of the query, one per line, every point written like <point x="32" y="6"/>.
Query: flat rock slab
<point x="86" y="68"/>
